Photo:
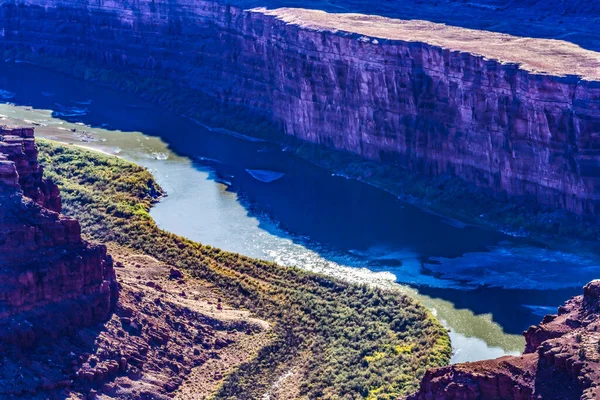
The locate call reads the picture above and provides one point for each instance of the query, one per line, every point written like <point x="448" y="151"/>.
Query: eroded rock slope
<point x="561" y="361"/>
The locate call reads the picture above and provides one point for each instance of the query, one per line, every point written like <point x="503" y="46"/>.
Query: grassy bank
<point x="361" y="342"/>
<point x="444" y="194"/>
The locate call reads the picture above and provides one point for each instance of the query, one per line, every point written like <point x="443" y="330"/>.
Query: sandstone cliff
<point x="561" y="361"/>
<point x="517" y="117"/>
<point x="19" y="167"/>
<point x="51" y="280"/>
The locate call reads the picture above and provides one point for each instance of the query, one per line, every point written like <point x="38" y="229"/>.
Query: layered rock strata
<point x="515" y="116"/>
<point x="158" y="344"/>
<point x="19" y="167"/>
<point x="561" y="361"/>
<point x="51" y="281"/>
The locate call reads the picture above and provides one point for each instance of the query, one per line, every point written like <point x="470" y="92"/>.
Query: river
<point x="252" y="197"/>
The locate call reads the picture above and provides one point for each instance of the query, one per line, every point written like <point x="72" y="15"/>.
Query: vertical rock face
<point x="18" y="155"/>
<point x="447" y="101"/>
<point x="51" y="281"/>
<point x="561" y="361"/>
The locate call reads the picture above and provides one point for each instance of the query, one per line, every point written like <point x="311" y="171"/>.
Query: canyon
<point x="161" y="334"/>
<point x="517" y="117"/>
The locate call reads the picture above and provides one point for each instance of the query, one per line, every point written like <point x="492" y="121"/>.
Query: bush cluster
<point x="361" y="342"/>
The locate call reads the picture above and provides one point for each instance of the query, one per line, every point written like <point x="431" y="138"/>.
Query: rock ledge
<point x="561" y="361"/>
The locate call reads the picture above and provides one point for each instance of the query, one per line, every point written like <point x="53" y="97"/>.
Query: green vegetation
<point x="444" y="194"/>
<point x="360" y="342"/>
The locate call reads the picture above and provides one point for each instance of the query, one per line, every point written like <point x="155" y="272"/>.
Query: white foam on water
<point x="6" y="95"/>
<point x="69" y="111"/>
<point x="291" y="254"/>
<point x="540" y="310"/>
<point x="160" y="156"/>
<point x="208" y="160"/>
<point x="517" y="267"/>
<point x="265" y="176"/>
<point x="337" y="175"/>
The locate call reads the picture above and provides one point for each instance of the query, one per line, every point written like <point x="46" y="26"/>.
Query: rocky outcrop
<point x="51" y="281"/>
<point x="561" y="361"/>
<point x="517" y="117"/>
<point x="19" y="167"/>
<point x="68" y="330"/>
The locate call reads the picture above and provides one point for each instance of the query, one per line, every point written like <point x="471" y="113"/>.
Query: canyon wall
<point x="516" y="117"/>
<point x="51" y="281"/>
<point x="561" y="361"/>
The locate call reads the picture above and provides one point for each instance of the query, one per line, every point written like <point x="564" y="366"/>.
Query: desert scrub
<point x="361" y="341"/>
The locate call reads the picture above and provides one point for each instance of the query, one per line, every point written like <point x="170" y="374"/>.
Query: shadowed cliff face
<point x="51" y="280"/>
<point x="430" y="109"/>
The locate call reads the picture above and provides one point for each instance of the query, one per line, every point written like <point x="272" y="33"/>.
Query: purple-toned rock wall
<point x="431" y="110"/>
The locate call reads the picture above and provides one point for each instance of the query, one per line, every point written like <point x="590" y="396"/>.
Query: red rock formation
<point x="561" y="361"/>
<point x="63" y="331"/>
<point x="19" y="167"/>
<point x="51" y="281"/>
<point x="498" y="111"/>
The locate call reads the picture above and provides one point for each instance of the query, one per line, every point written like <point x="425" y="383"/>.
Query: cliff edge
<point x="517" y="117"/>
<point x="561" y="361"/>
<point x="52" y="281"/>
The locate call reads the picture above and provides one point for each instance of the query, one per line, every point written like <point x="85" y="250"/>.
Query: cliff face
<point x="19" y="168"/>
<point x="51" y="280"/>
<point x="433" y="99"/>
<point x="561" y="361"/>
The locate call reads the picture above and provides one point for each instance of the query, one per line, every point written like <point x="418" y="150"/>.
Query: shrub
<point x="360" y="341"/>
